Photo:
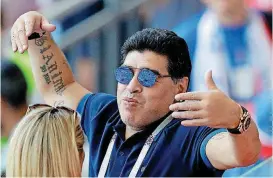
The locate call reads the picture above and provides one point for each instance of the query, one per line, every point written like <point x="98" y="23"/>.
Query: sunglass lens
<point x="146" y="77"/>
<point x="123" y="75"/>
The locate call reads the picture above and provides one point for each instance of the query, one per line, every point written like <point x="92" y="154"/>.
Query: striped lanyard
<point x="142" y="154"/>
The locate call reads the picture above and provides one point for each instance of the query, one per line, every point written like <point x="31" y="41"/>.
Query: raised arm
<point x="53" y="76"/>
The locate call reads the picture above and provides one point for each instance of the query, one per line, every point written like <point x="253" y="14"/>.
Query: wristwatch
<point x="245" y="121"/>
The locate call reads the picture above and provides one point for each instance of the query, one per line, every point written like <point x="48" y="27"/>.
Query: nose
<point x="134" y="86"/>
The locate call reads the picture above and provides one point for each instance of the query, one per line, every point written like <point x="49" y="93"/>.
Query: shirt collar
<point x="119" y="128"/>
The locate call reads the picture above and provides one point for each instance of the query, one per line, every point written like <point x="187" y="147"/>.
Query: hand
<point x="212" y="108"/>
<point x="24" y="26"/>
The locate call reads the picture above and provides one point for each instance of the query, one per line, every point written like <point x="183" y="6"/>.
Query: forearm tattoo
<point x="50" y="70"/>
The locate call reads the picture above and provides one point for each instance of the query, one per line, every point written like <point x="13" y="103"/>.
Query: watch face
<point x="247" y="123"/>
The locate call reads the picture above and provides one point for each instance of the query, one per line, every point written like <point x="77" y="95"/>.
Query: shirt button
<point x="121" y="153"/>
<point x="142" y="169"/>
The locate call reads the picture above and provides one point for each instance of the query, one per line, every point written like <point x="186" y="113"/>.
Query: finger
<point x="188" y="114"/>
<point x="195" y="122"/>
<point x="186" y="105"/>
<point x="29" y="26"/>
<point x="46" y="26"/>
<point x="209" y="81"/>
<point x="22" y="35"/>
<point x="190" y="96"/>
<point x="17" y="40"/>
<point x="13" y="41"/>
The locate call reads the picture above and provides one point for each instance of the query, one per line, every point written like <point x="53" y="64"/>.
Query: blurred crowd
<point x="233" y="38"/>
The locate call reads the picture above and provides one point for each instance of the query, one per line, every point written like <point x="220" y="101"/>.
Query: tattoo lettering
<point x="50" y="71"/>
<point x="59" y="86"/>
<point x="45" y="49"/>
<point x="52" y="67"/>
<point x="43" y="68"/>
<point x="56" y="75"/>
<point x="47" y="78"/>
<point x="48" y="58"/>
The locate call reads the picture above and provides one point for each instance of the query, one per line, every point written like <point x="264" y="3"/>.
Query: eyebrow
<point x="153" y="70"/>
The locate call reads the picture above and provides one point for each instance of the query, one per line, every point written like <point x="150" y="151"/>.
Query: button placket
<point x="142" y="169"/>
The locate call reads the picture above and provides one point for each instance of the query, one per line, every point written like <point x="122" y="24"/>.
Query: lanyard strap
<point x="142" y="154"/>
<point x="107" y="156"/>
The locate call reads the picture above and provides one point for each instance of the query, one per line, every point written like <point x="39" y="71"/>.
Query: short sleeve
<point x="200" y="137"/>
<point x="204" y="144"/>
<point x="91" y="105"/>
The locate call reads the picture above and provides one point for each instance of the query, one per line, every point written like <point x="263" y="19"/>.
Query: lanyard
<point x="142" y="154"/>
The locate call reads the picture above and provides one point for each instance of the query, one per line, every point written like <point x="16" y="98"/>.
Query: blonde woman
<point x="48" y="142"/>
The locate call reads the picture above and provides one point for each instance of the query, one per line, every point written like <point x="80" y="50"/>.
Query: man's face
<point x="139" y="106"/>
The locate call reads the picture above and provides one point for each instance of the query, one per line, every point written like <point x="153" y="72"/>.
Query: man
<point x="13" y="103"/>
<point x="134" y="134"/>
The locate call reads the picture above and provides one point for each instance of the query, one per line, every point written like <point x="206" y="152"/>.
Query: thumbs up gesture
<point x="211" y="108"/>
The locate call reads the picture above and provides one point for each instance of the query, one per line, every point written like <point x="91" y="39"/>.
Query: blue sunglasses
<point x="146" y="77"/>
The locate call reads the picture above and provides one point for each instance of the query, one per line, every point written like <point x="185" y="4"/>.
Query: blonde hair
<point x="47" y="142"/>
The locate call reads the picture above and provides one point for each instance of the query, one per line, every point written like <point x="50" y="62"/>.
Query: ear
<point x="182" y="85"/>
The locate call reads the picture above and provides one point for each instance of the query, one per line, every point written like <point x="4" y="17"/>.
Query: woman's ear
<point x="182" y="85"/>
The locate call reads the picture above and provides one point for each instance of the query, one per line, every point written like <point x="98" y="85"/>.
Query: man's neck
<point x="235" y="19"/>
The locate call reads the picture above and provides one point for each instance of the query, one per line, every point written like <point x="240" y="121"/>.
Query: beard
<point x="140" y="114"/>
<point x="139" y="119"/>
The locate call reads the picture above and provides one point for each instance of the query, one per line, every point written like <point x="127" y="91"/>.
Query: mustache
<point x="127" y="94"/>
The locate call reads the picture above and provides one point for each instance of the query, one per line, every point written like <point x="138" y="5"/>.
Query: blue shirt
<point x="177" y="151"/>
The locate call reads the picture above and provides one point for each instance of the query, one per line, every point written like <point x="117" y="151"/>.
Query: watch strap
<point x="243" y="124"/>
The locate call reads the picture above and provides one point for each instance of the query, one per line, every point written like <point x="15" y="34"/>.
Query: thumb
<point x="209" y="81"/>
<point x="46" y="26"/>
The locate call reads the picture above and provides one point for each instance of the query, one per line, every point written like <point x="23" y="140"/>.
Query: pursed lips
<point x="131" y="100"/>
